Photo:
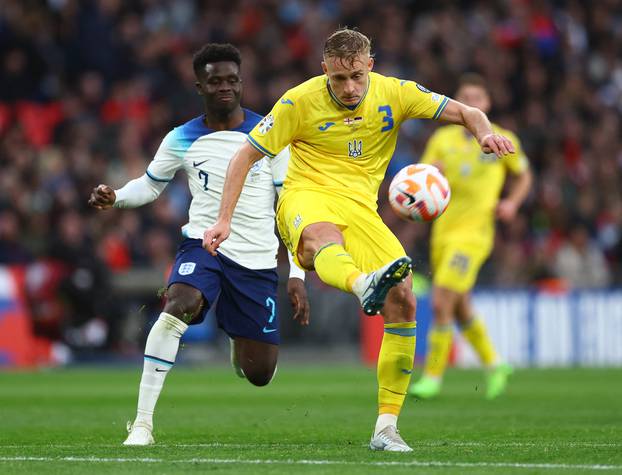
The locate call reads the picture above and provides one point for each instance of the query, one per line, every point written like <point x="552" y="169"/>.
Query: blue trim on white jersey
<point x="155" y="178"/>
<point x="185" y="135"/>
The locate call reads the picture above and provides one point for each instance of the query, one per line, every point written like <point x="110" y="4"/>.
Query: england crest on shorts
<point x="186" y="268"/>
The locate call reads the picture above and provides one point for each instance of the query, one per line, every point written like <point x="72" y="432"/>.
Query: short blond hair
<point x="347" y="44"/>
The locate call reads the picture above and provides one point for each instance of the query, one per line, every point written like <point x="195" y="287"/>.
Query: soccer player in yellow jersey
<point x="342" y="128"/>
<point x="462" y="238"/>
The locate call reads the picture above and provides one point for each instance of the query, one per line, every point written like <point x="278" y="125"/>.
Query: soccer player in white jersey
<point x="243" y="274"/>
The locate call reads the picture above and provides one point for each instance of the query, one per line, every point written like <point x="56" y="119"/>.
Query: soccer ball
<point x="419" y="192"/>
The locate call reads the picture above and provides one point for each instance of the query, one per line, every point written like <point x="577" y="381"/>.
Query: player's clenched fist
<point x="102" y="197"/>
<point x="214" y="235"/>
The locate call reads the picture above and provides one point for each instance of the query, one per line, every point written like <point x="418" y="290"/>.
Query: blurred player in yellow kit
<point x="342" y="128"/>
<point x="462" y="238"/>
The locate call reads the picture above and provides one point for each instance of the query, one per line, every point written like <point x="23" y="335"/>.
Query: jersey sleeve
<point x="433" y="152"/>
<point x="279" y="168"/>
<point x="168" y="159"/>
<point x="277" y="129"/>
<point x="418" y="102"/>
<point x="516" y="163"/>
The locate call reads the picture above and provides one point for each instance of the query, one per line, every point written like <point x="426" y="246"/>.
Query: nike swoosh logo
<point x="160" y="370"/>
<point x="326" y="126"/>
<point x="410" y="197"/>
<point x="195" y="164"/>
<point x="407" y="371"/>
<point x="287" y="101"/>
<point x="268" y="330"/>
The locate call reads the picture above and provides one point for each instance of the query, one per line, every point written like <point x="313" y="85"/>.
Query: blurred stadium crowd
<point x="88" y="89"/>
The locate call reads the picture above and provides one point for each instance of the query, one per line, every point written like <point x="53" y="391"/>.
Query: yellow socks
<point x="395" y="365"/>
<point x="476" y="334"/>
<point x="334" y="265"/>
<point x="439" y="344"/>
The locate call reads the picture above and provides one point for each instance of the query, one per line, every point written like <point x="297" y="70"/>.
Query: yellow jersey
<point x="476" y="180"/>
<point x="338" y="148"/>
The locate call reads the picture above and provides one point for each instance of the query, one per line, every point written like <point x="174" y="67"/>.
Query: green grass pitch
<point x="309" y="420"/>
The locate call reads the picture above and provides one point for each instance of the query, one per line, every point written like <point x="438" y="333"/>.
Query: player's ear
<point x="324" y="68"/>
<point x="370" y="64"/>
<point x="198" y="86"/>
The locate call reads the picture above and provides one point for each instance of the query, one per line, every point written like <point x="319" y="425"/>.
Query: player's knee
<point x="183" y="302"/>
<point x="409" y="304"/>
<point x="259" y="375"/>
<point x="402" y="299"/>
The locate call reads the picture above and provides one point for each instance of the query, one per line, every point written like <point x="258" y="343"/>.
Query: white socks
<point x="385" y="420"/>
<point x="360" y="285"/>
<point x="160" y="353"/>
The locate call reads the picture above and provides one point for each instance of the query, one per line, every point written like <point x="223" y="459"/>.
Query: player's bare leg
<point x="255" y="360"/>
<point x="474" y="331"/>
<point x="183" y="305"/>
<point x="444" y="305"/>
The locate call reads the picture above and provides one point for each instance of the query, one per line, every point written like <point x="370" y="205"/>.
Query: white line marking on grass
<point x="412" y="463"/>
<point x="440" y="443"/>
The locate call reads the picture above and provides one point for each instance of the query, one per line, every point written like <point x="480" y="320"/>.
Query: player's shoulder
<point x="251" y="119"/>
<point x="197" y="127"/>
<point x="305" y="91"/>
<point x="394" y="83"/>
<point x="184" y="135"/>
<point x="385" y="82"/>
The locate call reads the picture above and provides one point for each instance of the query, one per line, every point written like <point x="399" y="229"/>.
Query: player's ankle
<point x="385" y="420"/>
<point x="360" y="285"/>
<point x="143" y="420"/>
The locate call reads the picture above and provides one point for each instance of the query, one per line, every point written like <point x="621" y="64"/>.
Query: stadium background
<point x="89" y="88"/>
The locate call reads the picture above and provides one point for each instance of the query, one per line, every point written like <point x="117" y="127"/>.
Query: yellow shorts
<point x="455" y="265"/>
<point x="368" y="240"/>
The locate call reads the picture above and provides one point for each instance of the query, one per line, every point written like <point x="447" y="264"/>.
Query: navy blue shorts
<point x="245" y="298"/>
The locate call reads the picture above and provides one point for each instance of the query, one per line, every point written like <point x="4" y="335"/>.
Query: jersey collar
<point x="334" y="97"/>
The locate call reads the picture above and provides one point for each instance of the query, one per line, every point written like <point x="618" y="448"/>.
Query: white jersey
<point x="205" y="155"/>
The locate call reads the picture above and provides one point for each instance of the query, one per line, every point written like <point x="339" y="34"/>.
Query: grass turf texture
<point x="309" y="420"/>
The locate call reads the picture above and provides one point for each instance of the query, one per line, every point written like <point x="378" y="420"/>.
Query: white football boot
<point x="138" y="435"/>
<point x="372" y="288"/>
<point x="389" y="440"/>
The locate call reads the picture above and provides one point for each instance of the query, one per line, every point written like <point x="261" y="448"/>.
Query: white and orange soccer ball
<point x="419" y="192"/>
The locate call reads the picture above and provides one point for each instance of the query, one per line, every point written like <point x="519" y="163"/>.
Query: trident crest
<point x="355" y="148"/>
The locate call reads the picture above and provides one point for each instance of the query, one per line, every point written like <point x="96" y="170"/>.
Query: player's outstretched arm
<point x="135" y="193"/>
<point x="238" y="168"/>
<point x="478" y="124"/>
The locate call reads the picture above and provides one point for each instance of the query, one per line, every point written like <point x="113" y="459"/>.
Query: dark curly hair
<point x="213" y="53"/>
